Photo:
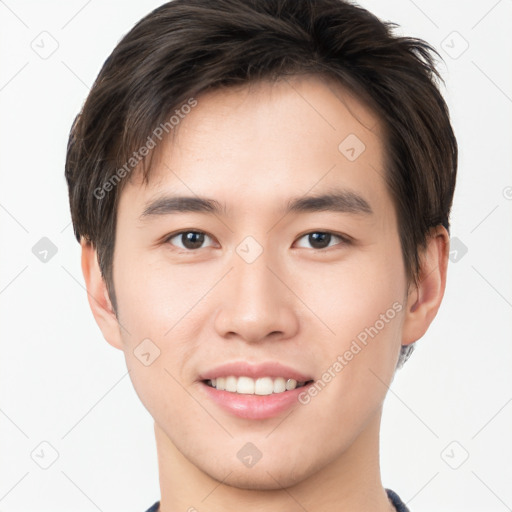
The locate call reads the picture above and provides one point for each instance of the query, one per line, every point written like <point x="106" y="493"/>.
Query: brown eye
<point x="321" y="239"/>
<point x="189" y="240"/>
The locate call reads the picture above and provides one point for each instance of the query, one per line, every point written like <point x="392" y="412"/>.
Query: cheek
<point x="157" y="306"/>
<point x="154" y="295"/>
<point x="154" y="304"/>
<point x="357" y="342"/>
<point x="350" y="296"/>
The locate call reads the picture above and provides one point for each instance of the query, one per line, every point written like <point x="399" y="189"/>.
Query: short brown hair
<point x="187" y="47"/>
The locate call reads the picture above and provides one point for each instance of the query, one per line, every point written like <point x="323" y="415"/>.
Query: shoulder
<point x="396" y="501"/>
<point x="154" y="507"/>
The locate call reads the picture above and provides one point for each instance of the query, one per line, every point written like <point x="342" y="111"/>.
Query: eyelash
<point x="345" y="240"/>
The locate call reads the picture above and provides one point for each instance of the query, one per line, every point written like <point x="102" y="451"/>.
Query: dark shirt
<point x="393" y="497"/>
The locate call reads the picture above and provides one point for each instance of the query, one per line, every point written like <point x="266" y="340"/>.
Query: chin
<point x="265" y="475"/>
<point x="262" y="480"/>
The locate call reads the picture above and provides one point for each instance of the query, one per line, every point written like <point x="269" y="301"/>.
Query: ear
<point x="425" y="298"/>
<point x="97" y="295"/>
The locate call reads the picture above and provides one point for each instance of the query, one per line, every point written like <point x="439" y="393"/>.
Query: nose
<point x="258" y="303"/>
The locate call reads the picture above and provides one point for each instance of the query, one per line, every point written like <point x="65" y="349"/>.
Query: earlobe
<point x="424" y="299"/>
<point x="98" y="297"/>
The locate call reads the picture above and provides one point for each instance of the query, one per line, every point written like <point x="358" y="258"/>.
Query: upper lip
<point x="243" y="368"/>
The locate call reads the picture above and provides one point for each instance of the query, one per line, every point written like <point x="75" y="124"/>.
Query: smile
<point x="248" y="386"/>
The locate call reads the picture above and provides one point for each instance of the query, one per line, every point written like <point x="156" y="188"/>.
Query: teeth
<point x="221" y="383"/>
<point x="291" y="384"/>
<point x="264" y="386"/>
<point x="231" y="384"/>
<point x="248" y="386"/>
<point x="279" y="385"/>
<point x="245" y="386"/>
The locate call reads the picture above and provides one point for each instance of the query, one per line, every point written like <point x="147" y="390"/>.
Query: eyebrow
<point x="344" y="201"/>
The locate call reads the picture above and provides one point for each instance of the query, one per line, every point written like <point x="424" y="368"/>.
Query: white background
<point x="63" y="384"/>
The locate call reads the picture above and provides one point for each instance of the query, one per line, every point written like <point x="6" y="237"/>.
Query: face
<point x="283" y="268"/>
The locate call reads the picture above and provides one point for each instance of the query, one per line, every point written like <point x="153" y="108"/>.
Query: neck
<point x="350" y="482"/>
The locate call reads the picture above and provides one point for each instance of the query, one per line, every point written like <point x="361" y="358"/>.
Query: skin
<point x="254" y="150"/>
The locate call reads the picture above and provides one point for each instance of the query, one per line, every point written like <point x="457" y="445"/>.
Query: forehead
<point x="294" y="136"/>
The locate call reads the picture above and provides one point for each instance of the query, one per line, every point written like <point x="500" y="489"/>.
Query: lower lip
<point x="254" y="407"/>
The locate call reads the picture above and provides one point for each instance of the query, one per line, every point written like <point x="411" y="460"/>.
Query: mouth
<point x="263" y="386"/>
<point x="254" y="391"/>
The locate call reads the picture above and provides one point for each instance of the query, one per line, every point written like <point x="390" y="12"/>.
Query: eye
<point x="188" y="240"/>
<point x="322" y="239"/>
<point x="191" y="240"/>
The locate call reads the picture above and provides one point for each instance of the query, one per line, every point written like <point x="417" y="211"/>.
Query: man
<point x="262" y="193"/>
